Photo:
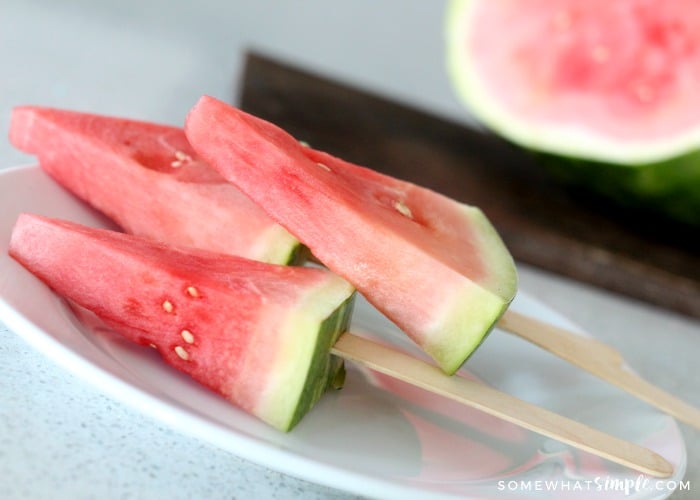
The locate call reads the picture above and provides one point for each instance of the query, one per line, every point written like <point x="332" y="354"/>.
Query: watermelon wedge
<point x="435" y="267"/>
<point x="259" y="334"/>
<point x="149" y="181"/>
<point x="604" y="91"/>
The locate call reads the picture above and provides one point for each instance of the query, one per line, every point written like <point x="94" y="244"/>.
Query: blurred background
<point x="153" y="59"/>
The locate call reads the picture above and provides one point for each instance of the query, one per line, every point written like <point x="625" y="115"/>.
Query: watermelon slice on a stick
<point x="435" y="267"/>
<point x="261" y="335"/>
<point x="257" y="333"/>
<point x="149" y="181"/>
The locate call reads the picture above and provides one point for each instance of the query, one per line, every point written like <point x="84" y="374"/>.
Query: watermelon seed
<point x="187" y="336"/>
<point x="324" y="166"/>
<point x="401" y="207"/>
<point x="192" y="291"/>
<point x="304" y="143"/>
<point x="168" y="306"/>
<point x="182" y="353"/>
<point x="153" y="345"/>
<point x="180" y="159"/>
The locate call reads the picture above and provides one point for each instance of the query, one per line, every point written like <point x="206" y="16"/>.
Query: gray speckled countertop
<point x="60" y="438"/>
<point x="63" y="439"/>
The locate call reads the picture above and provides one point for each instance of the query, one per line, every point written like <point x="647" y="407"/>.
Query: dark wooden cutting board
<point x="544" y="224"/>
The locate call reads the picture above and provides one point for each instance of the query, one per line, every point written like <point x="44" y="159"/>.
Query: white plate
<point x="376" y="437"/>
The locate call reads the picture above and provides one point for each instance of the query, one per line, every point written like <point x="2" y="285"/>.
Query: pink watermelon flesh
<point x="628" y="68"/>
<point x="147" y="178"/>
<point x="436" y="267"/>
<point x="259" y="334"/>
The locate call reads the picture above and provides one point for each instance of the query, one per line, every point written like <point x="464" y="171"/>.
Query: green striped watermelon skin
<point x="670" y="188"/>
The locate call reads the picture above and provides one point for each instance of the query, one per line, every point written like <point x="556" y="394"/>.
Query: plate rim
<point x="239" y="443"/>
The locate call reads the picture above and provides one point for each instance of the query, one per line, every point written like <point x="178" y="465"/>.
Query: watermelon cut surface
<point x="435" y="267"/>
<point x="259" y="334"/>
<point x="149" y="181"/>
<point x="609" y="88"/>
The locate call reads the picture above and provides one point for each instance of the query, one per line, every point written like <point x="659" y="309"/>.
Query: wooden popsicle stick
<point x="599" y="359"/>
<point x="408" y="369"/>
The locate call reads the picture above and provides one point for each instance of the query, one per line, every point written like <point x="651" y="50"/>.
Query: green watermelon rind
<point x="668" y="188"/>
<point x="298" y="255"/>
<point x="660" y="176"/>
<point x="303" y="373"/>
<point x="472" y="314"/>
<point x="326" y="371"/>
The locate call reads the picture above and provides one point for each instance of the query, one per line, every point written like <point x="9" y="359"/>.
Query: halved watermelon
<point x="436" y="267"/>
<point x="259" y="334"/>
<point x="147" y="179"/>
<point x="606" y="89"/>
